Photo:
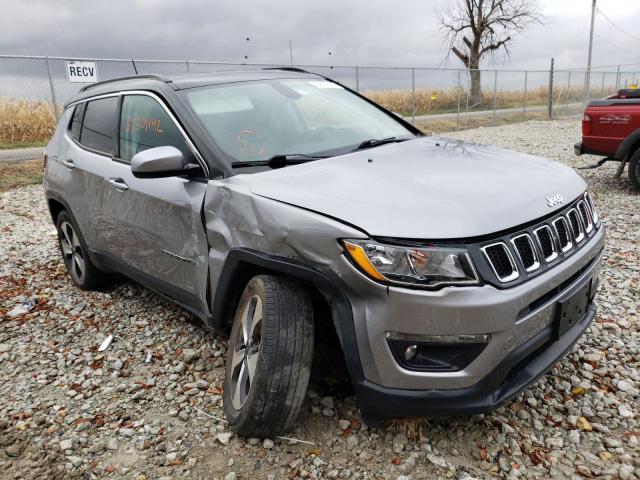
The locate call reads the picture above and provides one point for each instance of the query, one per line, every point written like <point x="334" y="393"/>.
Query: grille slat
<point x="592" y="208"/>
<point x="576" y="226"/>
<point x="546" y="243"/>
<point x="562" y="234"/>
<point x="501" y="262"/>
<point x="526" y="252"/>
<point x="586" y="217"/>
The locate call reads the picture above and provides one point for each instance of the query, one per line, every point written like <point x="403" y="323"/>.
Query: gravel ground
<point x="145" y="407"/>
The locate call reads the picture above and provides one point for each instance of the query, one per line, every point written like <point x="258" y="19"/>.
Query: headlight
<point x="426" y="267"/>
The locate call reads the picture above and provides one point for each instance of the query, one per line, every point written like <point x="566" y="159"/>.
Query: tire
<point x="265" y="403"/>
<point x="73" y="248"/>
<point x="634" y="169"/>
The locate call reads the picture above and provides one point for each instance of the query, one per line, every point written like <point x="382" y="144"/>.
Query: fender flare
<point x="326" y="283"/>
<point x="624" y="149"/>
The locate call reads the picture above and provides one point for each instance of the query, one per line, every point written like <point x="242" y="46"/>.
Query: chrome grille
<point x="501" y="261"/>
<point x="515" y="256"/>
<point x="546" y="243"/>
<point x="526" y="252"/>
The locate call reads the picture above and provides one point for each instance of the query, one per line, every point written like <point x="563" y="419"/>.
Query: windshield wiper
<point x="376" y="142"/>
<point x="280" y="160"/>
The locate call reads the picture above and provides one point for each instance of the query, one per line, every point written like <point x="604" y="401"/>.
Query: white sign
<point x="81" y="72"/>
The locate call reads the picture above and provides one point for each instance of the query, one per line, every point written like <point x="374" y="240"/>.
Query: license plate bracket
<point x="572" y="309"/>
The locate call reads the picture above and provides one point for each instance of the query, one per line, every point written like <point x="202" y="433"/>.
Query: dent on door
<point x="160" y="231"/>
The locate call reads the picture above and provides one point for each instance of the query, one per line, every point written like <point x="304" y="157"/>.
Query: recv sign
<point x="81" y="72"/>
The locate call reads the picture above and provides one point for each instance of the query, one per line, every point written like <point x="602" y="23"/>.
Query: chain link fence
<point x="34" y="89"/>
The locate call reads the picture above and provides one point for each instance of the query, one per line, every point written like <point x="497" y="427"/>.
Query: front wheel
<point x="634" y="169"/>
<point x="268" y="357"/>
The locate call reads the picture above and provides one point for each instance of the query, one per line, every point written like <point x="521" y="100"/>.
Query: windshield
<point x="254" y="121"/>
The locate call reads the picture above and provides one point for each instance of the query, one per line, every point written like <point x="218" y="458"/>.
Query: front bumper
<point x="518" y="319"/>
<point x="519" y="369"/>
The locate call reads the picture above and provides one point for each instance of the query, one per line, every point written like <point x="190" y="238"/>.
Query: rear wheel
<point x="269" y="357"/>
<point x="74" y="254"/>
<point x="634" y="169"/>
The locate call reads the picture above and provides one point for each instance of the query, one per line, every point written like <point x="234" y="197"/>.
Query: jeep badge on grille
<point x="554" y="200"/>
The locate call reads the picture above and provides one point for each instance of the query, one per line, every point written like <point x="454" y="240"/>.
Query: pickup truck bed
<point x="611" y="128"/>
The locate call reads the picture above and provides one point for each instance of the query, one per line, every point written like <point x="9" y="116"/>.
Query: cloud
<point x="360" y="32"/>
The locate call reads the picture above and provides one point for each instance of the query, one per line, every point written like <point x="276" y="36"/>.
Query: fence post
<point x="413" y="96"/>
<point x="357" y="79"/>
<point x="602" y="86"/>
<point x="495" y="94"/>
<point x="618" y="78"/>
<point x="526" y="78"/>
<point x="54" y="101"/>
<point x="566" y="98"/>
<point x="458" y="101"/>
<point x="188" y="67"/>
<point x="550" y="97"/>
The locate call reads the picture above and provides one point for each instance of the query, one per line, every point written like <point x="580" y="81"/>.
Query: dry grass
<point x="400" y="101"/>
<point x="16" y="174"/>
<point x="448" y="125"/>
<point x="25" y="123"/>
<point x="413" y="429"/>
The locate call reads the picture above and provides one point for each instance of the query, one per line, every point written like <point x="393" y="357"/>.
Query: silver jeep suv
<point x="272" y="203"/>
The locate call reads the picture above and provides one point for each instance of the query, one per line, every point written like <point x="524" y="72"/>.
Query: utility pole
<point x="290" y="53"/>
<point x="587" y="83"/>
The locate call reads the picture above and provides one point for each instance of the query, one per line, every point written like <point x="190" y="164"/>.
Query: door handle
<point x="67" y="162"/>
<point x="118" y="184"/>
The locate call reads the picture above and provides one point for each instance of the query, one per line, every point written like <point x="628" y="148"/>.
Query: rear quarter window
<point x="100" y="124"/>
<point x="74" y="123"/>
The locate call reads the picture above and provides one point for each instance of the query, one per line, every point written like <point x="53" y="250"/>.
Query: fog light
<point x="436" y="353"/>
<point x="410" y="352"/>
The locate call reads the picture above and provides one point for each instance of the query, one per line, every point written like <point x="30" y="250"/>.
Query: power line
<point x="616" y="26"/>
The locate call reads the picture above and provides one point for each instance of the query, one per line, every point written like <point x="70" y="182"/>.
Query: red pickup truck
<point x="611" y="128"/>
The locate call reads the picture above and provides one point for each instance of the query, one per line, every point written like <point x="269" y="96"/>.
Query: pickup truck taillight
<point x="586" y="124"/>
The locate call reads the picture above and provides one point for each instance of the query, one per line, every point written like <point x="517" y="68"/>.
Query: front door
<point x="156" y="224"/>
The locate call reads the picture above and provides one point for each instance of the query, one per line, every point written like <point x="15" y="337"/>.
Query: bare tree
<point x="477" y="28"/>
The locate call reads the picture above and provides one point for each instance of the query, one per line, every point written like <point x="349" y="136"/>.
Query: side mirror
<point x="158" y="162"/>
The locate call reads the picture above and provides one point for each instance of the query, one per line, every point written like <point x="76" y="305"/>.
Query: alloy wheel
<point x="245" y="354"/>
<point x="72" y="252"/>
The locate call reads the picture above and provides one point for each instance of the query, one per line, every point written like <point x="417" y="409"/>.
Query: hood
<point x="427" y="188"/>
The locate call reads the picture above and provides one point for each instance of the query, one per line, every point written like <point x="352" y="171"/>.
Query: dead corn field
<point x="24" y="122"/>
<point x="149" y="406"/>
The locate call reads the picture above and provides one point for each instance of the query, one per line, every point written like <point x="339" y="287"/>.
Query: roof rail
<point x="161" y="78"/>
<point x="289" y="69"/>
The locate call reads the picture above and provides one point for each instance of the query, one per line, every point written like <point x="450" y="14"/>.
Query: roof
<point x="185" y="81"/>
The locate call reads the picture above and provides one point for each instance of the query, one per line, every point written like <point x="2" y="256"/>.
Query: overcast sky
<point x="364" y="32"/>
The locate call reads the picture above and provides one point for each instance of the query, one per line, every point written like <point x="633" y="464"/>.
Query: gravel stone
<point x="58" y="390"/>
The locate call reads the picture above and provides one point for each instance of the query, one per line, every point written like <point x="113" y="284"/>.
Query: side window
<point x="99" y="125"/>
<point x="144" y="124"/>
<point x="74" y="124"/>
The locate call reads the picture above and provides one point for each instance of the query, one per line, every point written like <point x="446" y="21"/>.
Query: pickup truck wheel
<point x="74" y="254"/>
<point x="634" y="169"/>
<point x="268" y="357"/>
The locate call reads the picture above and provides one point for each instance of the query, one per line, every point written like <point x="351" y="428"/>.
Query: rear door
<point x="90" y="147"/>
<point x="154" y="225"/>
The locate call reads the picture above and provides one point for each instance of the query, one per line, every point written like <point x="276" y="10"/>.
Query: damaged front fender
<point x="236" y="219"/>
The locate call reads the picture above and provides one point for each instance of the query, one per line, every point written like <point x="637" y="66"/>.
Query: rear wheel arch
<point x="55" y="208"/>
<point x="628" y="146"/>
